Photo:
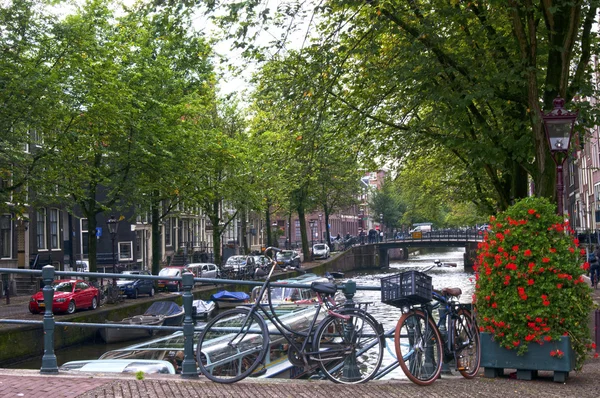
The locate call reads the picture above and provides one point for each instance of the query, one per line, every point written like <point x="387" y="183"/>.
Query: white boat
<point x="115" y="335"/>
<point x="170" y="348"/>
<point x="202" y="309"/>
<point x="289" y="294"/>
<point x="148" y="366"/>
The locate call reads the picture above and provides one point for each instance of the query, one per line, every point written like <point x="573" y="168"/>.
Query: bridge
<point x="467" y="239"/>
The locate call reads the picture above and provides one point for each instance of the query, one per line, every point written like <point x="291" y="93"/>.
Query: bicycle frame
<point x="446" y="325"/>
<point x="285" y="331"/>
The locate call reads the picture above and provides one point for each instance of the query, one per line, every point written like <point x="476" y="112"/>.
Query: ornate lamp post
<point x="113" y="226"/>
<point x="381" y="226"/>
<point x="558" y="125"/>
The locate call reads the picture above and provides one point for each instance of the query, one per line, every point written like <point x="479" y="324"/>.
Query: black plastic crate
<point x="407" y="288"/>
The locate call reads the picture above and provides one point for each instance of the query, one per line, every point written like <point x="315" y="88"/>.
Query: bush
<point x="530" y="286"/>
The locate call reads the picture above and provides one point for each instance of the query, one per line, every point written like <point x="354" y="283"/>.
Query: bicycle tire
<point x="466" y="344"/>
<point x="349" y="351"/>
<point x="219" y="350"/>
<point x="419" y="347"/>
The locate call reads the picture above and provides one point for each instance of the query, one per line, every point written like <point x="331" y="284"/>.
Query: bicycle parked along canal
<point x="342" y="341"/>
<point x="421" y="344"/>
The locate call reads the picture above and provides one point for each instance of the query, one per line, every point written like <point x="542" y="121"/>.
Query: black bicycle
<point x="343" y="341"/>
<point x="422" y="344"/>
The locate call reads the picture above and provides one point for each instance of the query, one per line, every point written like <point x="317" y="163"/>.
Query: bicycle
<point x="346" y="345"/>
<point x="422" y="345"/>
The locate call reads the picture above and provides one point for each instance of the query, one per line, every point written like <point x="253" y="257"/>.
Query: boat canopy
<point x="165" y="308"/>
<point x="227" y="295"/>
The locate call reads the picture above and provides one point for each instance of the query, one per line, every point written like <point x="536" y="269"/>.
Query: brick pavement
<point x="31" y="384"/>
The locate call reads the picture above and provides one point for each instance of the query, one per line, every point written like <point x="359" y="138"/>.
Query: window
<point x="40" y="229"/>
<point x="85" y="248"/>
<point x="125" y="251"/>
<point x="5" y="236"/>
<point x="168" y="232"/>
<point x="138" y="245"/>
<point x="54" y="228"/>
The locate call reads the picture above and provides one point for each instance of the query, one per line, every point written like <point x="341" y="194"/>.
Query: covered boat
<point x="172" y="313"/>
<point x="202" y="309"/>
<point x="289" y="294"/>
<point x="117" y="334"/>
<point x="226" y="299"/>
<point x="170" y="348"/>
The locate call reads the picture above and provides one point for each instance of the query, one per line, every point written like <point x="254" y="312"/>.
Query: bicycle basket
<point x="405" y="289"/>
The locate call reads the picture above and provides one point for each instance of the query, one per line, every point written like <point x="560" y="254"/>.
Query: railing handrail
<point x="189" y="370"/>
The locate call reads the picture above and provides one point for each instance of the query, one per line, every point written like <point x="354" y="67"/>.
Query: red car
<point x="69" y="295"/>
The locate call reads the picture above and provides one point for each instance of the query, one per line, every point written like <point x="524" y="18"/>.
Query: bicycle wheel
<point x="418" y="347"/>
<point x="466" y="344"/>
<point x="232" y="345"/>
<point x="350" y="350"/>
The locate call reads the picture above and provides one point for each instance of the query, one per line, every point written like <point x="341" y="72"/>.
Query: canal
<point x="387" y="315"/>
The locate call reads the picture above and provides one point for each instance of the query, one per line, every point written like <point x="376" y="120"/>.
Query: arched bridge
<point x="466" y="239"/>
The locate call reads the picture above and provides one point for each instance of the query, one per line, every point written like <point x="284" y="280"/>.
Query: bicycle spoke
<point x="348" y="351"/>
<point x="418" y="347"/>
<point x="466" y="342"/>
<point x="232" y="346"/>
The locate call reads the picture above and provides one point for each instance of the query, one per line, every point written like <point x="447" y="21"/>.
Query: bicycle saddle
<point x="452" y="291"/>
<point x="323" y="287"/>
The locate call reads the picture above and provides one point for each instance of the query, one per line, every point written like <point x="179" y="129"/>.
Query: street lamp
<point x="113" y="226"/>
<point x="312" y="233"/>
<point x="558" y="125"/>
<point x="381" y="225"/>
<point x="321" y="226"/>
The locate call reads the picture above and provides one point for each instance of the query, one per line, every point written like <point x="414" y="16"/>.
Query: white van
<point x="421" y="228"/>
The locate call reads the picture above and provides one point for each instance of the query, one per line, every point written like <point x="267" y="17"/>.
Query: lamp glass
<point x="559" y="134"/>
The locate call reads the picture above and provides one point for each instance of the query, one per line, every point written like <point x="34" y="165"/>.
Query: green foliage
<point x="139" y="375"/>
<point x="529" y="286"/>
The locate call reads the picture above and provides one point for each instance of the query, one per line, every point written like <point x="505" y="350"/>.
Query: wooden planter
<point x="495" y="359"/>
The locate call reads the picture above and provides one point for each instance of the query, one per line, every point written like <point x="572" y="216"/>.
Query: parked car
<point x="69" y="295"/>
<point x="239" y="265"/>
<point x="288" y="258"/>
<point x="132" y="288"/>
<point x="171" y="272"/>
<point x="262" y="261"/>
<point x="82" y="266"/>
<point x="320" y="250"/>
<point x="204" y="270"/>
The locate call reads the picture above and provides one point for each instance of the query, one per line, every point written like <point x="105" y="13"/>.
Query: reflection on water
<point x="387" y="315"/>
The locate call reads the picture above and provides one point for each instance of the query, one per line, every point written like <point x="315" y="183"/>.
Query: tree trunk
<point x="156" y="243"/>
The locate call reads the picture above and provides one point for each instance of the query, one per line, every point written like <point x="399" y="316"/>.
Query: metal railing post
<point x="349" y="290"/>
<point x="49" y="364"/>
<point x="188" y="367"/>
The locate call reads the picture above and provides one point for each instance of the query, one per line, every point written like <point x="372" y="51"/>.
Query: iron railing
<point x="188" y="367"/>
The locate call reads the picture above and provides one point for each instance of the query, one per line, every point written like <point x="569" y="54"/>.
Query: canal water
<point x="387" y="315"/>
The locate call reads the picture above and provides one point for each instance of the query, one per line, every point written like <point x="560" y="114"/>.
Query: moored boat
<point x="227" y="299"/>
<point x="202" y="309"/>
<point x="289" y="294"/>
<point x="148" y="366"/>
<point x="172" y="313"/>
<point x="170" y="348"/>
<point x="116" y="334"/>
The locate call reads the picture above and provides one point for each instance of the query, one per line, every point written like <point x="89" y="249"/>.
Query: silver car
<point x="204" y="270"/>
<point x="320" y="250"/>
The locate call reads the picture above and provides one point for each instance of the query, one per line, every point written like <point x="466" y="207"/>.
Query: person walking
<point x="595" y="267"/>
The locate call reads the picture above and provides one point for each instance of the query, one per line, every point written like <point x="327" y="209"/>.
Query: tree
<point x="467" y="76"/>
<point x="386" y="206"/>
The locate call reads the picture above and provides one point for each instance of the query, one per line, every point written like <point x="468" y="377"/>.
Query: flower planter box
<point x="495" y="359"/>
